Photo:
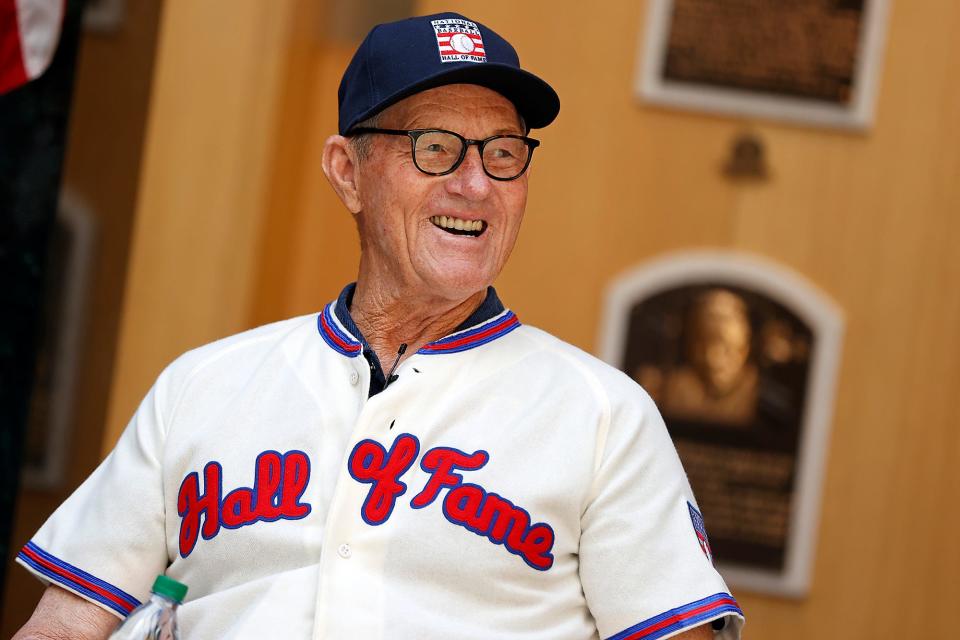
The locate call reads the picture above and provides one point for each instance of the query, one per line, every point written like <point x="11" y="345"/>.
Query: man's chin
<point x="457" y="284"/>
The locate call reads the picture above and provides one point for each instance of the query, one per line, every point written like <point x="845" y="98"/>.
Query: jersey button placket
<point x="340" y="574"/>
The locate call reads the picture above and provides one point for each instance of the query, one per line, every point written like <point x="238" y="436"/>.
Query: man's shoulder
<point x="548" y="344"/>
<point x="245" y="347"/>
<point x="565" y="359"/>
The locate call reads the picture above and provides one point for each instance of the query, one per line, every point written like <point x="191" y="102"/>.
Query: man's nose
<point x="469" y="179"/>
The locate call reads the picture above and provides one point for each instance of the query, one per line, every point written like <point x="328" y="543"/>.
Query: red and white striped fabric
<point x="29" y="32"/>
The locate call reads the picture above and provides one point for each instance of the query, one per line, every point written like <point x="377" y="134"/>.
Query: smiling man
<point x="437" y="218"/>
<point x="412" y="461"/>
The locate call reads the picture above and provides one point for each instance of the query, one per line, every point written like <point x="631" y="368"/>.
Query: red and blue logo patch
<point x="701" y="530"/>
<point x="459" y="40"/>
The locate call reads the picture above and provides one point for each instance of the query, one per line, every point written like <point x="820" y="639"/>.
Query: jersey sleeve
<point x="106" y="542"/>
<point x="644" y="555"/>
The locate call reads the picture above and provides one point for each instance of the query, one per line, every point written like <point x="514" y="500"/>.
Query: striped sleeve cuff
<point x="51" y="568"/>
<point x="689" y="615"/>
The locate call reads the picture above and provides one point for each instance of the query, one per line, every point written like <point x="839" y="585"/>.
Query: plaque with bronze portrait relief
<point x="734" y="353"/>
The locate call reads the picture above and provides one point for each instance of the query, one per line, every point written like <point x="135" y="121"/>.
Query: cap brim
<point x="536" y="101"/>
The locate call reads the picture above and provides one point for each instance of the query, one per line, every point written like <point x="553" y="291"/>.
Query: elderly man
<point x="411" y="462"/>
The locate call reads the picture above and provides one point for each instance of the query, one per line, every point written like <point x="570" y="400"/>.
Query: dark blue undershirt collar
<point x="489" y="308"/>
<point x="473" y="332"/>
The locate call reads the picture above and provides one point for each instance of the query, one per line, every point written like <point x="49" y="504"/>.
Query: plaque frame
<point x="858" y="115"/>
<point x="104" y="16"/>
<point x="823" y="316"/>
<point x="65" y="345"/>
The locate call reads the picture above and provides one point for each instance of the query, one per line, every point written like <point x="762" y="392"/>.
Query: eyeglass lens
<point x="438" y="152"/>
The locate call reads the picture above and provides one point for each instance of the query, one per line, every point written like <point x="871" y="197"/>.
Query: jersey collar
<point x="487" y="323"/>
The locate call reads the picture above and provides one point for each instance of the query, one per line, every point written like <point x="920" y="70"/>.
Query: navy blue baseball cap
<point x="399" y="59"/>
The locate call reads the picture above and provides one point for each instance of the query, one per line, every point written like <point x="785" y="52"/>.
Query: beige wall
<point x="102" y="167"/>
<point x="206" y="174"/>
<point x="236" y="226"/>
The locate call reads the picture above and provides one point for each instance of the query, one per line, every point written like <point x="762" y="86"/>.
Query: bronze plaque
<point x="728" y="368"/>
<point x="806" y="49"/>
<point x="807" y="61"/>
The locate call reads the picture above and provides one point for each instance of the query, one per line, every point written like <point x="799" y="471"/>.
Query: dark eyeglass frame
<point x="414" y="135"/>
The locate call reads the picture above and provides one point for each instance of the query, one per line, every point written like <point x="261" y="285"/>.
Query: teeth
<point x="449" y="222"/>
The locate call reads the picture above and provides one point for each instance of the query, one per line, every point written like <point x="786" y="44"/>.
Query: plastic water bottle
<point x="155" y="619"/>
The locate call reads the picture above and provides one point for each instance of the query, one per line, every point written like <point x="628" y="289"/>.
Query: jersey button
<point x="354" y="377"/>
<point x="344" y="551"/>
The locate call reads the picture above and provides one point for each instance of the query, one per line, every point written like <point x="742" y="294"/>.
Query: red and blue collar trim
<point x="79" y="581"/>
<point x="487" y="323"/>
<point x="487" y="332"/>
<point x="689" y="615"/>
<point x="338" y="339"/>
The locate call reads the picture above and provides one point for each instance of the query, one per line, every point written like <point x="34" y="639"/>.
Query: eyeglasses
<point x="438" y="152"/>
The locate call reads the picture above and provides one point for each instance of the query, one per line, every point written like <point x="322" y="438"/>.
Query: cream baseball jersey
<point x="503" y="484"/>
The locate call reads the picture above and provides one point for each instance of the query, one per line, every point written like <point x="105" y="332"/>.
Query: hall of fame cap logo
<point x="459" y="40"/>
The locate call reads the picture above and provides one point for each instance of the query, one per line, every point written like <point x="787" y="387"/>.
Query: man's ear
<point x="340" y="167"/>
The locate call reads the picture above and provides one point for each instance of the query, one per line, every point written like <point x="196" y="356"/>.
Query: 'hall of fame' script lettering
<point x="466" y="504"/>
<point x="281" y="479"/>
<point x="279" y="482"/>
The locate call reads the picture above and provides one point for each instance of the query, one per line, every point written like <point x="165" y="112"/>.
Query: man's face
<point x="399" y="204"/>
<point x="720" y="342"/>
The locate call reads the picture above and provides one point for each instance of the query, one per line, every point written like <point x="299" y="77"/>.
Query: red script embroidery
<point x="279" y="482"/>
<point x="467" y="505"/>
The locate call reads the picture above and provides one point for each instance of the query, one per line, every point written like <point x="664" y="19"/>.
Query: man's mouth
<point x="458" y="226"/>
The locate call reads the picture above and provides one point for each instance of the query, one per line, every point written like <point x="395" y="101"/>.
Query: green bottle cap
<point x="170" y="588"/>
